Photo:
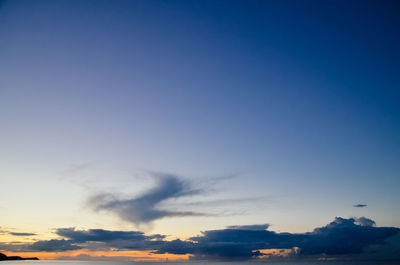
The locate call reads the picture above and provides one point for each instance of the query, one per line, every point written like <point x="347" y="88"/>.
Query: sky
<point x="159" y="129"/>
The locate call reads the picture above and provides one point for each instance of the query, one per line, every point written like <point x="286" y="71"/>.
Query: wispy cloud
<point x="249" y="227"/>
<point x="16" y="233"/>
<point x="72" y="170"/>
<point x="146" y="208"/>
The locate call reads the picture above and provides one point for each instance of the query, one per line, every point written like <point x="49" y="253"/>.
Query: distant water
<point x="76" y="262"/>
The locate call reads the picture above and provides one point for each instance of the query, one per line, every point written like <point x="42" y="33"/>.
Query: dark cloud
<point x="81" y="236"/>
<point x="22" y="234"/>
<point x="236" y="243"/>
<point x="53" y="245"/>
<point x="345" y="236"/>
<point x="135" y="240"/>
<point x="146" y="208"/>
<point x="340" y="237"/>
<point x="177" y="247"/>
<point x="16" y="233"/>
<point x="390" y="250"/>
<point x="92" y="239"/>
<point x="360" y="205"/>
<point x="348" y="238"/>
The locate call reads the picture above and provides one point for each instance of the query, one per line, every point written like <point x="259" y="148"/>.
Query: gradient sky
<point x="281" y="112"/>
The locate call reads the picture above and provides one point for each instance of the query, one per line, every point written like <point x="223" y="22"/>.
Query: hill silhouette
<point x="5" y="257"/>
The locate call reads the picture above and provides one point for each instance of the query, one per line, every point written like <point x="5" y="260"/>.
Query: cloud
<point x="16" y="233"/>
<point x="134" y="240"/>
<point x="390" y="250"/>
<point x="22" y="234"/>
<point x="340" y="237"/>
<point x="224" y="202"/>
<point x="351" y="238"/>
<point x="75" y="169"/>
<point x="146" y="208"/>
<point x="81" y="236"/>
<point x="53" y="245"/>
<point x="249" y="227"/>
<point x="345" y="236"/>
<point x="92" y="239"/>
<point x="364" y="221"/>
<point x="360" y="205"/>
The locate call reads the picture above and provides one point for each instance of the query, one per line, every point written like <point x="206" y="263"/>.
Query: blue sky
<point x="296" y="100"/>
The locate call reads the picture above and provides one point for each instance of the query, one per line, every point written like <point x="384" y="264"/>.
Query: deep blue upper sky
<point x="300" y="99"/>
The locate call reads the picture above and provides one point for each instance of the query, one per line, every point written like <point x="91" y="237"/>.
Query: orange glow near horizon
<point x="100" y="255"/>
<point x="278" y="252"/>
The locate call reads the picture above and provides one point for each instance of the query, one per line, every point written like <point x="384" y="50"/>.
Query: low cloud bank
<point x="340" y="237"/>
<point x="349" y="238"/>
<point x="104" y="239"/>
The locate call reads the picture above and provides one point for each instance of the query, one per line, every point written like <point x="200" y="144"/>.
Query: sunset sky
<point x="145" y="130"/>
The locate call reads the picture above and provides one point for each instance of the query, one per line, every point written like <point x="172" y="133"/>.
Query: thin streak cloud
<point x="22" y="234"/>
<point x="360" y="205"/>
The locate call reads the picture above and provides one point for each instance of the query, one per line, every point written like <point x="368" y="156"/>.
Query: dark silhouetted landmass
<point x="5" y="257"/>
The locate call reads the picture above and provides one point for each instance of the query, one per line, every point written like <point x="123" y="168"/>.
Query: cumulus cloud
<point x="360" y="205"/>
<point x="146" y="208"/>
<point x="345" y="236"/>
<point x="364" y="221"/>
<point x="340" y="237"/>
